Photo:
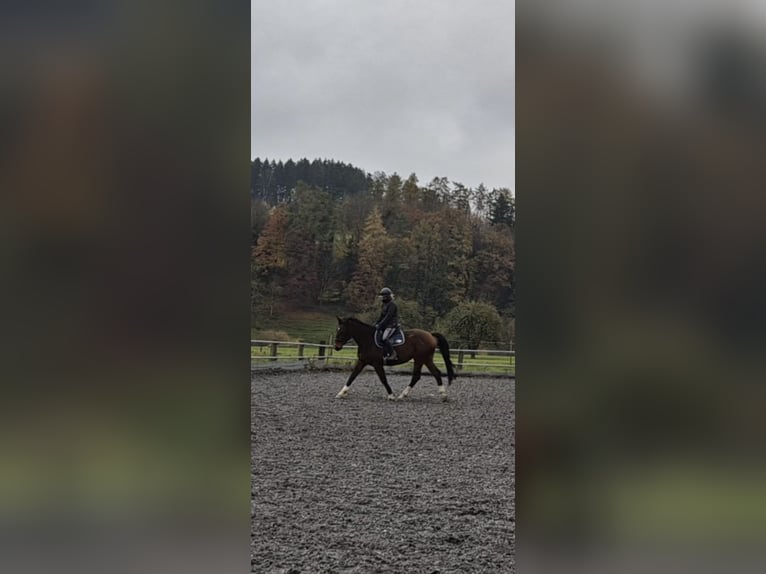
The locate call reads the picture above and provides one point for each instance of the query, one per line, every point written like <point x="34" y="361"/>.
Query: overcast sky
<point x="424" y="86"/>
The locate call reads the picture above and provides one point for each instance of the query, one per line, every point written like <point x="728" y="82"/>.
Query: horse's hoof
<point x="391" y="397"/>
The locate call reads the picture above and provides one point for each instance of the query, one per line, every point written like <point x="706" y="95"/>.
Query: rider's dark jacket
<point x="389" y="316"/>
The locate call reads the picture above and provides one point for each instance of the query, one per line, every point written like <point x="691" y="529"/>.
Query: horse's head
<point x="342" y="335"/>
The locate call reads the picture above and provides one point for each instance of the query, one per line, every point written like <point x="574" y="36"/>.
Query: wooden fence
<point x="296" y="355"/>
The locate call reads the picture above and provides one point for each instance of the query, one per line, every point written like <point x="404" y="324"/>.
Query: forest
<point x="328" y="235"/>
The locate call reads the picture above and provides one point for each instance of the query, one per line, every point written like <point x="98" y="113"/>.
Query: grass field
<point x="315" y="326"/>
<point x="310" y="326"/>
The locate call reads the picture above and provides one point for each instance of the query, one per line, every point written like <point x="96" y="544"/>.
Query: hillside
<point x="333" y="242"/>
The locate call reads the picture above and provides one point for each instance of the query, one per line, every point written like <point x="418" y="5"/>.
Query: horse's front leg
<point x="357" y="369"/>
<point x="382" y="375"/>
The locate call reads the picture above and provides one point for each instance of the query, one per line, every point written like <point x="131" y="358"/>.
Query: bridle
<point x="339" y="340"/>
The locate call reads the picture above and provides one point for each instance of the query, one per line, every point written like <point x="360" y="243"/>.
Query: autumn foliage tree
<point x="370" y="272"/>
<point x="269" y="262"/>
<point x="437" y="270"/>
<point x="491" y="265"/>
<point x="308" y="244"/>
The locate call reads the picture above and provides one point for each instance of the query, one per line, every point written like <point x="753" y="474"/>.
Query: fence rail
<point x="265" y="354"/>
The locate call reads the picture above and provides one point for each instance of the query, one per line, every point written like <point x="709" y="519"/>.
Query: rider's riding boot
<point x="389" y="350"/>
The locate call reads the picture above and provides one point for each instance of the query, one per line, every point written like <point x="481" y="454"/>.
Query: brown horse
<point x="418" y="345"/>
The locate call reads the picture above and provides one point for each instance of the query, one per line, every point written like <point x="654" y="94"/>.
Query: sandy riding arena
<point x="363" y="484"/>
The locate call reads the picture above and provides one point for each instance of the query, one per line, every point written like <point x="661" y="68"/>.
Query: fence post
<point x="320" y="351"/>
<point x="300" y="352"/>
<point x="460" y="360"/>
<point x="273" y="348"/>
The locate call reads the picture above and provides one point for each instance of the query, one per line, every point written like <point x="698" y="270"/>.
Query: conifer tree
<point x="371" y="265"/>
<point x="410" y="190"/>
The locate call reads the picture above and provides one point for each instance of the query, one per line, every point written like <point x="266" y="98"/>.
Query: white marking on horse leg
<point x="342" y="392"/>
<point x="404" y="393"/>
<point x="392" y="397"/>
<point x="443" y="391"/>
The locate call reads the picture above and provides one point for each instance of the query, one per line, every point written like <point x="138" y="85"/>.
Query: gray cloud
<point x="424" y="86"/>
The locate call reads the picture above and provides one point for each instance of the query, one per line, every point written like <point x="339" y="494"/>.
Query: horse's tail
<point x="444" y="349"/>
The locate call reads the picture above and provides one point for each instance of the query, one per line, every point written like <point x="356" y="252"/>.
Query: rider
<point x="388" y="322"/>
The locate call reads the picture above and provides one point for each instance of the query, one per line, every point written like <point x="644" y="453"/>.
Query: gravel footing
<point x="363" y="484"/>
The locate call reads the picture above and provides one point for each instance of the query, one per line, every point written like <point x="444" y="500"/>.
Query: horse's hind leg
<point x="357" y="369"/>
<point x="382" y="376"/>
<point x="438" y="376"/>
<point x="415" y="379"/>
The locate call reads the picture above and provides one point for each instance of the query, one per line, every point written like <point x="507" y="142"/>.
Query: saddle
<point x="396" y="339"/>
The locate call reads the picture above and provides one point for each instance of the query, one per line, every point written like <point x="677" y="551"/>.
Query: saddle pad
<point x="396" y="339"/>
